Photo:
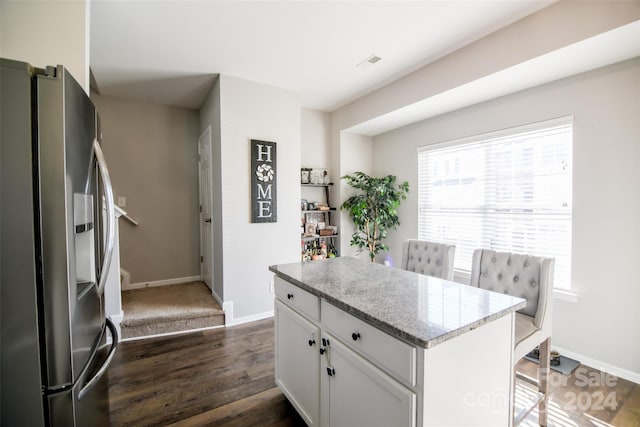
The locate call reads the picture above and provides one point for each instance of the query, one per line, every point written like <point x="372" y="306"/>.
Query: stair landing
<point x="169" y="309"/>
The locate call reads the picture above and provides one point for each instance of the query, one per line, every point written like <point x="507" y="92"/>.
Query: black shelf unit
<point x="327" y="212"/>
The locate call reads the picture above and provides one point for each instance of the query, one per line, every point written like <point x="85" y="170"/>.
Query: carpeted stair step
<point x="168" y="309"/>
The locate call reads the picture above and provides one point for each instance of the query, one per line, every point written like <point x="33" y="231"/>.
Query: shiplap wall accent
<point x="238" y="111"/>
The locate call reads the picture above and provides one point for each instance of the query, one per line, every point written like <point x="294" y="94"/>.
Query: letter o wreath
<point x="264" y="173"/>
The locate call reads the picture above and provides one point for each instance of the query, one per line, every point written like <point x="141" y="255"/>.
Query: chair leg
<point x="512" y="412"/>
<point x="543" y="380"/>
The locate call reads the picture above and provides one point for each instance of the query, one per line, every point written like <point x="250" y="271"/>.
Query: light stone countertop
<point x="421" y="310"/>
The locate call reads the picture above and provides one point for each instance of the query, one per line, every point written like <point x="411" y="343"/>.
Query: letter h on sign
<point x="263" y="181"/>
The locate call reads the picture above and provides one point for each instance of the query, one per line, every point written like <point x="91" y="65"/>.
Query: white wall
<point x="315" y="127"/>
<point x="599" y="326"/>
<point x="605" y="104"/>
<point x="253" y="111"/>
<point x="356" y="155"/>
<point x="529" y="38"/>
<point x="47" y="33"/>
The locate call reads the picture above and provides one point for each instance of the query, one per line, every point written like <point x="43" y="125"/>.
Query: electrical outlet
<point x="271" y="288"/>
<point x="122" y="201"/>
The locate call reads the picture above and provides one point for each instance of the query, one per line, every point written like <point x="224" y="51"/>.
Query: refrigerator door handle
<point x="110" y="225"/>
<point x="114" y="344"/>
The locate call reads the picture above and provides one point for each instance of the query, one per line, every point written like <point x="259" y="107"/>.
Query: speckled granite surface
<point x="422" y="310"/>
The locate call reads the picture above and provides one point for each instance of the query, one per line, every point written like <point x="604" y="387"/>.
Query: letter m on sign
<point x="264" y="181"/>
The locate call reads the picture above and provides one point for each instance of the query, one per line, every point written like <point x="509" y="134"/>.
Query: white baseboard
<point x="125" y="278"/>
<point x="247" y="319"/>
<point x="604" y="367"/>
<point x="227" y="307"/>
<point x="230" y="320"/>
<point x="165" y="282"/>
<point x="217" y="298"/>
<point x="116" y="319"/>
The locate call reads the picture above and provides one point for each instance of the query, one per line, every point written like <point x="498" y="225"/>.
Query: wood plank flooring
<point x="224" y="377"/>
<point x="221" y="377"/>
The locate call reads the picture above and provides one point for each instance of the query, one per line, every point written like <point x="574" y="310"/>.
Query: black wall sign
<point x="264" y="182"/>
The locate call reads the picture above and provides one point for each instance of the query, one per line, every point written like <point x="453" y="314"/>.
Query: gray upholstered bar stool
<point x="531" y="278"/>
<point x="430" y="258"/>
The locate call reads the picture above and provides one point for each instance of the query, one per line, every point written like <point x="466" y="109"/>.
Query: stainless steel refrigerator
<point x="57" y="225"/>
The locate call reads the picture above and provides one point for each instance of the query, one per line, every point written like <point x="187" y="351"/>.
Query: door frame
<point x="204" y="142"/>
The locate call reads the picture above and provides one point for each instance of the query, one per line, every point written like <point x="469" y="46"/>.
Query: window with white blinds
<point x="508" y="191"/>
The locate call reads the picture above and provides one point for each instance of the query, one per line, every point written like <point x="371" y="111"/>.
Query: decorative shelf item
<point x="317" y="185"/>
<point x="306" y="211"/>
<point x="304" y="175"/>
<point x="316" y="236"/>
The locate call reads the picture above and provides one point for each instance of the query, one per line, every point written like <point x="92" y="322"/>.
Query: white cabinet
<point x="356" y="393"/>
<point x="317" y="373"/>
<point x="338" y="370"/>
<point x="298" y="361"/>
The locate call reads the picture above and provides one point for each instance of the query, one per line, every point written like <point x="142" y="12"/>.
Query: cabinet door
<point x="360" y="394"/>
<point x="298" y="362"/>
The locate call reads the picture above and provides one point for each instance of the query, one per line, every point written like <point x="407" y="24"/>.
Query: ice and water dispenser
<point x="83" y="220"/>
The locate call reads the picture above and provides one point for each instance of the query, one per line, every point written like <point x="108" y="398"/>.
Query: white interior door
<point x="206" y="229"/>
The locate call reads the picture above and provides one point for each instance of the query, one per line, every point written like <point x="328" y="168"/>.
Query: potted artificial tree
<point x="373" y="209"/>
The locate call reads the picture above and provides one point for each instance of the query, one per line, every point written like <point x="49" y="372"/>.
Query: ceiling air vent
<point x="369" y="61"/>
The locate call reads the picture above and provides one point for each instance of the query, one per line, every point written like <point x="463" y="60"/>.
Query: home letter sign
<point x="263" y="181"/>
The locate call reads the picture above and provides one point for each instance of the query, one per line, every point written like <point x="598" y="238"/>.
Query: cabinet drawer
<point x="299" y="299"/>
<point x="392" y="355"/>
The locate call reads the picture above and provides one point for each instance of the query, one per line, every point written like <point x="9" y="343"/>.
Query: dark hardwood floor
<point x="221" y="377"/>
<point x="224" y="377"/>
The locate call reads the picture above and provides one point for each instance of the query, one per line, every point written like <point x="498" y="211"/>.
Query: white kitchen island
<point x="361" y="344"/>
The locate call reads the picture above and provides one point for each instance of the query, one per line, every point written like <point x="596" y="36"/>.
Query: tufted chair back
<point x="523" y="276"/>
<point x="432" y="259"/>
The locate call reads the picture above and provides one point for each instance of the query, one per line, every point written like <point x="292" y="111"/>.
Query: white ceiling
<point x="170" y="51"/>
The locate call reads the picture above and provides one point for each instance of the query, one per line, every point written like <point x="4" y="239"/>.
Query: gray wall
<point x="152" y="152"/>
<point x="606" y="200"/>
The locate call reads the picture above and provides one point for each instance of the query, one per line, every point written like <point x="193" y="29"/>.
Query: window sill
<point x="461" y="276"/>
<point x="565" y="295"/>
